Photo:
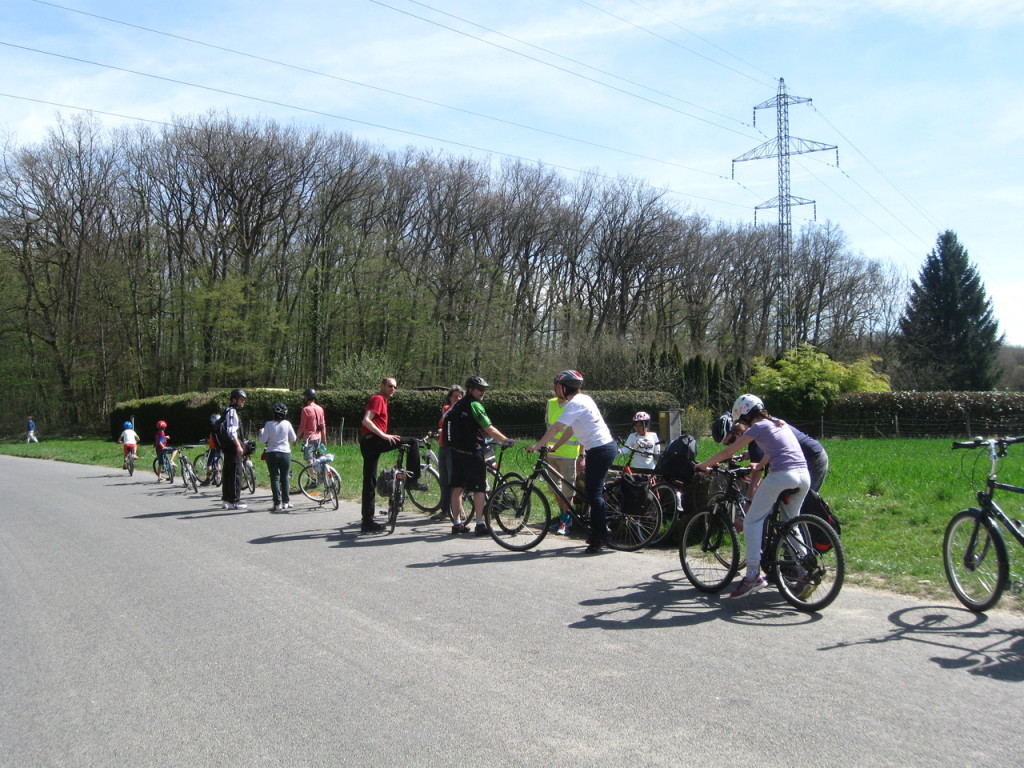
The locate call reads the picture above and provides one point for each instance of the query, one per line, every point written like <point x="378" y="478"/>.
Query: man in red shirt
<point x="312" y="425"/>
<point x="374" y="441"/>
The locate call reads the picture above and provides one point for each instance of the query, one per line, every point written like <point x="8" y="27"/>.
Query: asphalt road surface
<point x="144" y="626"/>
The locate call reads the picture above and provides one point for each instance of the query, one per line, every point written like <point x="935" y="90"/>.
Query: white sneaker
<point x="239" y="506"/>
<point x="563" y="529"/>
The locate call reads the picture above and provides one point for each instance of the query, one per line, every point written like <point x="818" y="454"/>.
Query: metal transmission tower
<point x="783" y="146"/>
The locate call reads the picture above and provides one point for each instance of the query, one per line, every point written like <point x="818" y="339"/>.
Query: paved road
<point x="143" y="626"/>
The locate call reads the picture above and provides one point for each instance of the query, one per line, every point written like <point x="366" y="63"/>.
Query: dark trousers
<point x="278" y="464"/>
<point x="231" y="484"/>
<point x="599" y="461"/>
<point x="372" y="447"/>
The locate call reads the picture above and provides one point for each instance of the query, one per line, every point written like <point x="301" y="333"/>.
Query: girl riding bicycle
<point x="789" y="471"/>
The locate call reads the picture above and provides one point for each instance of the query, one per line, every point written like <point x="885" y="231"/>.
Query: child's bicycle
<point x="129" y="462"/>
<point x="163" y="464"/>
<point x="212" y="461"/>
<point x="973" y="549"/>
<point x="802" y="556"/>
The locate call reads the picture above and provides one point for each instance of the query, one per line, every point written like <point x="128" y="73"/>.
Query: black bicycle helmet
<point x="570" y="379"/>
<point x="721" y="427"/>
<point x="476" y="382"/>
<point x="280" y="409"/>
<point x="237" y="393"/>
<point x="309" y="394"/>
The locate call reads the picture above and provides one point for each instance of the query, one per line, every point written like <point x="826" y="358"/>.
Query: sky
<point x="924" y="100"/>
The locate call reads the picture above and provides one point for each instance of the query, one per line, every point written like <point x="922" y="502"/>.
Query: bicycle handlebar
<point x="980" y="441"/>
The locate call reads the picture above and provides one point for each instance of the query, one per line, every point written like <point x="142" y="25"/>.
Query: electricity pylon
<point x="783" y="146"/>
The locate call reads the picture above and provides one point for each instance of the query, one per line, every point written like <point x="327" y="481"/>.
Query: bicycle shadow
<point x="667" y="600"/>
<point x="191" y="514"/>
<point x="966" y="644"/>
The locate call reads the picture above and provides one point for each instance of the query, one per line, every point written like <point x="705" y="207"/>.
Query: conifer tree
<point x="948" y="338"/>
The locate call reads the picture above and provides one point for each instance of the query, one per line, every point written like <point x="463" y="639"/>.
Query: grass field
<point x="894" y="498"/>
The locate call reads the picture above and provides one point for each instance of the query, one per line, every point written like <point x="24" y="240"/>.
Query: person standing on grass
<point x="466" y="427"/>
<point x="234" y="453"/>
<point x="374" y="441"/>
<point x="789" y="471"/>
<point x="278" y="434"/>
<point x="582" y="418"/>
<point x="312" y="425"/>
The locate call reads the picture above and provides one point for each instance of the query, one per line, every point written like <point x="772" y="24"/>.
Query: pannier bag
<point x="817" y="506"/>
<point x="386" y="482"/>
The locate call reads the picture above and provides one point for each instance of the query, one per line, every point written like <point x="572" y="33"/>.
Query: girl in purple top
<point x="789" y="470"/>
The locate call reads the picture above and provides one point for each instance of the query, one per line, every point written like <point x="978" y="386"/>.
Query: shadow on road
<point x="963" y="640"/>
<point x="667" y="600"/>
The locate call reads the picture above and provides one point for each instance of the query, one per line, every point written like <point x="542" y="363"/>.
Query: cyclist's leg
<point x="412" y="460"/>
<point x="566" y="467"/>
<point x="599" y="461"/>
<point x="444" y="477"/>
<point x="371" y="447"/>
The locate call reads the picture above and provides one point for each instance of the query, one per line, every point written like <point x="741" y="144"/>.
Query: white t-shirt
<point x="581" y="413"/>
<point x="129" y="437"/>
<point x="648" y="443"/>
<point x="277" y="435"/>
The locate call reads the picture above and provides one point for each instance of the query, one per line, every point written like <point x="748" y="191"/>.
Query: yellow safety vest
<point x="571" y="449"/>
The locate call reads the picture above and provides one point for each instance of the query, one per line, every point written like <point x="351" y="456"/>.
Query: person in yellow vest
<point x="564" y="459"/>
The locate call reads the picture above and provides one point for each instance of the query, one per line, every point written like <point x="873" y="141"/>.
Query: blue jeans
<point x="599" y="461"/>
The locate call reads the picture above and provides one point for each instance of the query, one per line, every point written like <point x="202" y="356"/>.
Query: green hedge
<point x="411" y="412"/>
<point x="906" y="414"/>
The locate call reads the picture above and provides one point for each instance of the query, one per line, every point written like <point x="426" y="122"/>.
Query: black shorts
<point x="468" y="470"/>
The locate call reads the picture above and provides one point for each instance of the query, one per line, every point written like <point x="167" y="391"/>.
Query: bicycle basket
<point x="386" y="482"/>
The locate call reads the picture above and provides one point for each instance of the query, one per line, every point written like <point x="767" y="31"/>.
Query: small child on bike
<point x="643" y="443"/>
<point x="130" y="440"/>
<point x="779" y="446"/>
<point x="162" y="443"/>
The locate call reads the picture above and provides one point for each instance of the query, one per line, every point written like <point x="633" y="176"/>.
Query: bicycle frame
<point x="986" y="500"/>
<point x="544" y="471"/>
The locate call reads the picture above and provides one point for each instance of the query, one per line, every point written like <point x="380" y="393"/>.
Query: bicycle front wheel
<point x="430" y="499"/>
<point x="974" y="555"/>
<point x="808" y="563"/>
<point x="628" y="531"/>
<point x="517" y="515"/>
<point x="189" y="476"/>
<point x="249" y="476"/>
<point x="709" y="550"/>
<point x="130" y="465"/>
<point x="333" y="481"/>
<point x="395" y="503"/>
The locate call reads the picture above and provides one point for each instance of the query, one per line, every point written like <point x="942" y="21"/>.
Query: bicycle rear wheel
<point x="709" y="550"/>
<point x="430" y="499"/>
<point x="517" y="515"/>
<point x="628" y="531"/>
<point x="670" y="501"/>
<point x="808" y="563"/>
<point x="975" y="559"/>
<point x="130" y="465"/>
<point x="249" y="476"/>
<point x="311" y="484"/>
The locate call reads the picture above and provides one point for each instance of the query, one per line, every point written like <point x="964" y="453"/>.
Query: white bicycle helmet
<point x="641" y="416"/>
<point x="745" y="404"/>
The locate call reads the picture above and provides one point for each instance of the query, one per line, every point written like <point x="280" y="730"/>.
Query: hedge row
<point x="412" y="412"/>
<point x="937" y="413"/>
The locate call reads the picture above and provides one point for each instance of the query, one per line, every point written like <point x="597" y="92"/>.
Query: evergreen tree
<point x="948" y="337"/>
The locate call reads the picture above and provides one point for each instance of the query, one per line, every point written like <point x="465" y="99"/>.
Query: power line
<point x="349" y="81"/>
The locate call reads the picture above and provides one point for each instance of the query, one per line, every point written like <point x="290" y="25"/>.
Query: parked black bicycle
<point x="802" y="556"/>
<point x="973" y="549"/>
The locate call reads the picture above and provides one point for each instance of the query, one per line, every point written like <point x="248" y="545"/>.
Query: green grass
<point x="894" y="497"/>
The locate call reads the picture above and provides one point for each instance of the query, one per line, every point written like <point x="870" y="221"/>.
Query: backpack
<point x="818" y="507"/>
<point x="220" y="431"/>
<point x="679" y="459"/>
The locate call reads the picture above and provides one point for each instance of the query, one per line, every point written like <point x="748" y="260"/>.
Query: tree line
<point x="218" y="251"/>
